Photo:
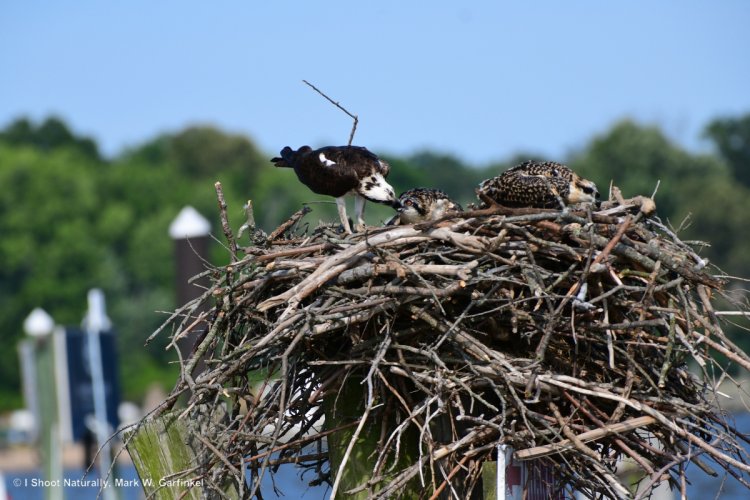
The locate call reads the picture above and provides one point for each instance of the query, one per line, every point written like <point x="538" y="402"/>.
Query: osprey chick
<point x="424" y="204"/>
<point x="340" y="170"/>
<point x="540" y="185"/>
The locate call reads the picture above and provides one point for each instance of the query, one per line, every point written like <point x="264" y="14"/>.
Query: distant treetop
<point x="51" y="134"/>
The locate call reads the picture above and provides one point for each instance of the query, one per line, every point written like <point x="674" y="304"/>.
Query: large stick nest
<point x="576" y="338"/>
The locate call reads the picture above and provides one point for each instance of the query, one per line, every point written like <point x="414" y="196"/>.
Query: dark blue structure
<point x="80" y="381"/>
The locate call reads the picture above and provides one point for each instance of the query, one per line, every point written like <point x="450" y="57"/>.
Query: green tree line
<point x="71" y="219"/>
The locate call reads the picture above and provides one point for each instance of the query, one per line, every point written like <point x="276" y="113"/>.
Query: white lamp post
<point x="96" y="322"/>
<point x="38" y="323"/>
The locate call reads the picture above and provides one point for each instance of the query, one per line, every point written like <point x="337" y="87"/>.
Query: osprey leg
<point x="341" y="205"/>
<point x="359" y="213"/>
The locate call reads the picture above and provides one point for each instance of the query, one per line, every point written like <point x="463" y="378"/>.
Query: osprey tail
<point x="289" y="156"/>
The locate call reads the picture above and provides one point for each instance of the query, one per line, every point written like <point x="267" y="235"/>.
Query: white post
<point x="95" y="322"/>
<point x="501" y="464"/>
<point x="62" y="381"/>
<point x="39" y="325"/>
<point x="29" y="383"/>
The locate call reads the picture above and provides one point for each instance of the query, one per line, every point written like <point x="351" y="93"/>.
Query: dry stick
<point x="367" y="271"/>
<point x="296" y="216"/>
<point x="610" y="335"/>
<point x="593" y="435"/>
<point x="674" y="263"/>
<point x="623" y="446"/>
<point x="335" y="312"/>
<point x="225" y="221"/>
<point x="670" y="346"/>
<point x="440" y="453"/>
<point x="726" y="352"/>
<point x="447" y="480"/>
<point x="321" y="247"/>
<point x="297" y="459"/>
<point x="614" y="241"/>
<point x="660" y="417"/>
<point x="218" y="454"/>
<point x="619" y="410"/>
<point x="299" y="442"/>
<point x="703" y="293"/>
<point x="354" y="319"/>
<point x="596" y="459"/>
<point x="632" y="254"/>
<point x="365" y="415"/>
<point x="330" y="262"/>
<point x="201" y="349"/>
<point x="186" y="330"/>
<point x="553" y="317"/>
<point x="335" y="103"/>
<point x="332" y="267"/>
<point x="187" y="309"/>
<point x="693" y="456"/>
<point x="731" y="346"/>
<point x="409" y="290"/>
<point x="658" y="476"/>
<point x="396" y="434"/>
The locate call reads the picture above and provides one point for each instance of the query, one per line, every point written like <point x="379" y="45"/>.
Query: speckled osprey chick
<point x="538" y="184"/>
<point x="424" y="204"/>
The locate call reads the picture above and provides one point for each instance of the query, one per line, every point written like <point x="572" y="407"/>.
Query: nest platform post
<point x="343" y="410"/>
<point x="166" y="452"/>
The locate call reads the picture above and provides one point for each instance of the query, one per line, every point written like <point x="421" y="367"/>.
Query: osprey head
<point x="423" y="204"/>
<point x="411" y="210"/>
<point x="375" y="188"/>
<point x="579" y="190"/>
<point x="582" y="191"/>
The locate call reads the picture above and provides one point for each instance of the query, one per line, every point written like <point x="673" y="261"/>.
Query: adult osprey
<point x="340" y="170"/>
<point x="424" y="204"/>
<point x="539" y="184"/>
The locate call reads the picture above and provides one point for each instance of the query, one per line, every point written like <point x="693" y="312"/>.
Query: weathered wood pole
<point x="164" y="446"/>
<point x="343" y="409"/>
<point x="190" y="232"/>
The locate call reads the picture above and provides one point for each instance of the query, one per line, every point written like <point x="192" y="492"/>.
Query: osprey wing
<point x="319" y="171"/>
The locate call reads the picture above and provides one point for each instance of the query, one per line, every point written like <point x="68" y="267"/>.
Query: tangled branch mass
<point x="578" y="338"/>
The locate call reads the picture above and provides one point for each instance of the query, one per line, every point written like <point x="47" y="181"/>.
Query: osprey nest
<point x="394" y="362"/>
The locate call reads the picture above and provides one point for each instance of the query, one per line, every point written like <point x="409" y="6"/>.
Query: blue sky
<point x="482" y="80"/>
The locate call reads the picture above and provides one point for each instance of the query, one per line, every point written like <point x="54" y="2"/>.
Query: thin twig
<point x="225" y="221"/>
<point x="335" y="103"/>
